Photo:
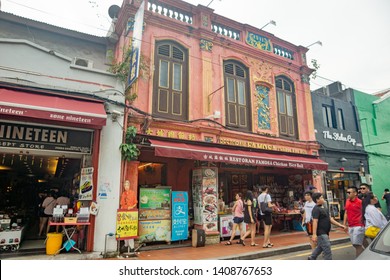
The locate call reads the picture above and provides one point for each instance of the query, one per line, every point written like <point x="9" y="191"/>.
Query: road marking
<point x="308" y="253"/>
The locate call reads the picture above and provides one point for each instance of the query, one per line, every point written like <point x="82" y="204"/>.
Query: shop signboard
<point x="154" y="198"/>
<point x="86" y="184"/>
<point x="179" y="215"/>
<point x="154" y="230"/>
<point x="126" y="224"/>
<point x="45" y="138"/>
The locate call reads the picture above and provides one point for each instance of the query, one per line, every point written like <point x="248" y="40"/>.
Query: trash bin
<point x="198" y="238"/>
<point x="53" y="243"/>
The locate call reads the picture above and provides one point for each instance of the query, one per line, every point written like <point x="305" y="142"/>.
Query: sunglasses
<point x="362" y="188"/>
<point x="348" y="192"/>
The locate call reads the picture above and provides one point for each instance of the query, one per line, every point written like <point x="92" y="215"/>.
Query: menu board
<point x="179" y="215"/>
<point x="155" y="198"/>
<point x="155" y="230"/>
<point x="155" y="214"/>
<point x="205" y="193"/>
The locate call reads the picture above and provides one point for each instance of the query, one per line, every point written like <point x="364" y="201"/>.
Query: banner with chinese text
<point x="179" y="216"/>
<point x="126" y="224"/>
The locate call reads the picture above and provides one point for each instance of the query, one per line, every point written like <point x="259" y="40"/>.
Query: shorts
<point x="356" y="234"/>
<point x="267" y="218"/>
<point x="238" y="220"/>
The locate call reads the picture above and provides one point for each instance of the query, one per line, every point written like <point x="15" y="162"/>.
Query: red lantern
<point x="342" y="169"/>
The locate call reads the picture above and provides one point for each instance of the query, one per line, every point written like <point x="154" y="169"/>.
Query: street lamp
<point x="318" y="42"/>
<point x="270" y="22"/>
<point x="211" y="2"/>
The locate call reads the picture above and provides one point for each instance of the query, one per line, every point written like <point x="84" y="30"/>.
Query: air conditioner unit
<point x="83" y="62"/>
<point x="369" y="179"/>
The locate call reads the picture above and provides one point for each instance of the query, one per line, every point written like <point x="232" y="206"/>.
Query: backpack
<point x="264" y="207"/>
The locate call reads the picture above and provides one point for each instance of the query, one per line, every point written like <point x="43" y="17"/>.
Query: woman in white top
<point x="373" y="216"/>
<point x="266" y="217"/>
<point x="238" y="210"/>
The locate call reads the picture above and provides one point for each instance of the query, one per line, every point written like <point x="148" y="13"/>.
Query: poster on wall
<point x="179" y="215"/>
<point x="197" y="195"/>
<point x="86" y="184"/>
<point x="155" y="198"/>
<point x="154" y="230"/>
<point x="126" y="224"/>
<point x="205" y="197"/>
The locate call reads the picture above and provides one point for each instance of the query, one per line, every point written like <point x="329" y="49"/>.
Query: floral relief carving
<point x="262" y="72"/>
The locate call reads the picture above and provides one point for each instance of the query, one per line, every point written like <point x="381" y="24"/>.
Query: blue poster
<point x="179" y="216"/>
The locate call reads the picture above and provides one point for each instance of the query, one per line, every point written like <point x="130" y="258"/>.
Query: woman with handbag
<point x="375" y="220"/>
<point x="266" y="207"/>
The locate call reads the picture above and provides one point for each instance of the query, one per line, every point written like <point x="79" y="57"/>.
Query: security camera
<point x="116" y="113"/>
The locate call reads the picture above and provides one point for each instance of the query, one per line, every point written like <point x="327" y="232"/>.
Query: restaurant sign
<point x="40" y="137"/>
<point x="259" y="42"/>
<point x="337" y="136"/>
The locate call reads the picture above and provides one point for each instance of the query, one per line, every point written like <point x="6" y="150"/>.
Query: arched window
<point x="237" y="101"/>
<point x="286" y="107"/>
<point x="170" y="85"/>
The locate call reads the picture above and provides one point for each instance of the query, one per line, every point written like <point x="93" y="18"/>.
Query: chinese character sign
<point x="126" y="224"/>
<point x="179" y="216"/>
<point x="86" y="184"/>
<point x="136" y="45"/>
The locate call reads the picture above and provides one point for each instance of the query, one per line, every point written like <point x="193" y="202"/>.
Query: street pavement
<point x="284" y="243"/>
<point x="343" y="251"/>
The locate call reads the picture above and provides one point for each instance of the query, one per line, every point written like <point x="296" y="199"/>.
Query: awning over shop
<point x="233" y="156"/>
<point x="55" y="108"/>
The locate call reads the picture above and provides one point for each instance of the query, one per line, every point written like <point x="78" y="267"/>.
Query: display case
<point x="10" y="239"/>
<point x="226" y="226"/>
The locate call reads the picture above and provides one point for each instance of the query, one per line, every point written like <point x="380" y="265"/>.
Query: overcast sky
<point x="355" y="34"/>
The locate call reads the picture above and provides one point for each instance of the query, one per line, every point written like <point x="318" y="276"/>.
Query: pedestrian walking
<point x="249" y="218"/>
<point x="321" y="228"/>
<point x="307" y="220"/>
<point x="353" y="217"/>
<point x="238" y="210"/>
<point x="266" y="217"/>
<point x="374" y="217"/>
<point x="386" y="196"/>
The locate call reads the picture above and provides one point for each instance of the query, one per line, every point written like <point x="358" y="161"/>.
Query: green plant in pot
<point x="128" y="149"/>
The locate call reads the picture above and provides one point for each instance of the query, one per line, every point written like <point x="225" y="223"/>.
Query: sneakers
<point x="310" y="258"/>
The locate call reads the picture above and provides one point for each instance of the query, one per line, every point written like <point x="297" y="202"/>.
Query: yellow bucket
<point x="53" y="243"/>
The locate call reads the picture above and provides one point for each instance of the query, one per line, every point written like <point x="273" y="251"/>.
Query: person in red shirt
<point x="128" y="202"/>
<point x="353" y="216"/>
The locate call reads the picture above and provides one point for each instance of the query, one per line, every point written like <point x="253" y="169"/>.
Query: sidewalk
<point x="283" y="243"/>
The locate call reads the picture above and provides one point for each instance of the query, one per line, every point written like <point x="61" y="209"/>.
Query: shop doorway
<point x="25" y="179"/>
